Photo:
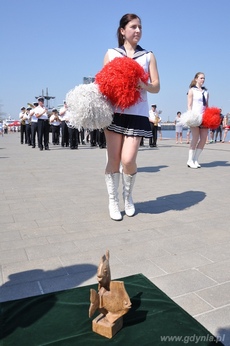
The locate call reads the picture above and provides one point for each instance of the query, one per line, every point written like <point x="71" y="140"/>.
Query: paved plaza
<point x="55" y="225"/>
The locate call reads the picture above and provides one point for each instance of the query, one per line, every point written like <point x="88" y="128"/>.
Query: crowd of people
<point x="66" y="136"/>
<point x="37" y="123"/>
<point x="220" y="133"/>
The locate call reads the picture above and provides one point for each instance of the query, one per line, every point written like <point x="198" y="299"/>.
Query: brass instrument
<point x="30" y="105"/>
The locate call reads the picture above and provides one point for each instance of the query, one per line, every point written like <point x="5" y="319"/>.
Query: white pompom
<point x="191" y="119"/>
<point x="88" y="107"/>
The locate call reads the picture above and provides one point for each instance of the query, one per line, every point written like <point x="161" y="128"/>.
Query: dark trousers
<point x="64" y="134"/>
<point x="81" y="136"/>
<point x="43" y="133"/>
<point x="93" y="138"/>
<point x="73" y="137"/>
<point x="153" y="139"/>
<point x="102" y="139"/>
<point x="219" y="131"/>
<point x="34" y="132"/>
<point x="55" y="134"/>
<point x="28" y="133"/>
<point x="23" y="133"/>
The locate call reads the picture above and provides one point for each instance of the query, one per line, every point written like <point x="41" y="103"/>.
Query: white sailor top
<point x="142" y="57"/>
<point x="200" y="100"/>
<point x="40" y="110"/>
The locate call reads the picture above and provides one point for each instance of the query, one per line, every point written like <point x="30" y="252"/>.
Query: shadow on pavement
<point x="216" y="164"/>
<point x="179" y="201"/>
<point x="150" y="169"/>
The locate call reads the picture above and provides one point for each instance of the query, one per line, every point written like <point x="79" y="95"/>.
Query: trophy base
<point x="102" y="326"/>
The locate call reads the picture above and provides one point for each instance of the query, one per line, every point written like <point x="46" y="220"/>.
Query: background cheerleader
<point x="198" y="97"/>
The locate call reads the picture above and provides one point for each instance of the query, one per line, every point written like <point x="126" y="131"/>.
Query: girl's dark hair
<point x="123" y="22"/>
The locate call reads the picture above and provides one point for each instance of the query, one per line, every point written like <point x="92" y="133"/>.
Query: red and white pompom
<point x="211" y="118"/>
<point x="118" y="81"/>
<point x="88" y="107"/>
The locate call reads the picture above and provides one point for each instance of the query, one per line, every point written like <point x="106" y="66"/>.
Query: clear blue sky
<point x="55" y="43"/>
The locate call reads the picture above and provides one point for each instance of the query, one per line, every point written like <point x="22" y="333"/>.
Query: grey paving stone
<point x="9" y="236"/>
<point x="217" y="296"/>
<point x="40" y="232"/>
<point x="193" y="304"/>
<point x="50" y="250"/>
<point x="183" y="282"/>
<point x="216" y="271"/>
<point x="146" y="267"/>
<point x="89" y="258"/>
<point x="12" y="256"/>
<point x="18" y="226"/>
<point x="178" y="262"/>
<point x="215" y="253"/>
<point x="22" y="243"/>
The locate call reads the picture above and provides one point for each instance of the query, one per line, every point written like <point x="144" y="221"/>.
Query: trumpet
<point x="30" y="105"/>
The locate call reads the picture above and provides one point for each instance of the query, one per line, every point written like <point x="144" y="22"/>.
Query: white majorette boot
<point x="196" y="156"/>
<point x="112" y="183"/>
<point x="190" y="162"/>
<point x="128" y="183"/>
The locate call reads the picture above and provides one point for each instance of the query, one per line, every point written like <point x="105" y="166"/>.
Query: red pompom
<point x="211" y="118"/>
<point x="118" y="81"/>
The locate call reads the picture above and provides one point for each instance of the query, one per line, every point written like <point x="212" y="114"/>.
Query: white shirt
<point x="21" y="115"/>
<point x="27" y="115"/>
<point x="153" y="115"/>
<point x="53" y="121"/>
<point x="65" y="115"/>
<point x="40" y="110"/>
<point x="197" y="104"/>
<point x="33" y="118"/>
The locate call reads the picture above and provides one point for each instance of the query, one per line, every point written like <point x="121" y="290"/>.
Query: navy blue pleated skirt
<point x="131" y="125"/>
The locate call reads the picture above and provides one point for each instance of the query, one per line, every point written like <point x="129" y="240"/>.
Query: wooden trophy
<point x="111" y="300"/>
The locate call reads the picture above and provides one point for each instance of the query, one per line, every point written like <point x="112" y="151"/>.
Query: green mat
<point x="61" y="318"/>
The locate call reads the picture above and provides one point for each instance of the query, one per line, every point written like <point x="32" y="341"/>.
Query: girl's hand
<point x="141" y="85"/>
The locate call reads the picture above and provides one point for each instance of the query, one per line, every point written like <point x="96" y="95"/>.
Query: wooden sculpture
<point x="111" y="300"/>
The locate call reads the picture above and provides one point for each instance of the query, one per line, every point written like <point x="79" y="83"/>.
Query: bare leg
<point x="195" y="137"/>
<point x="114" y="143"/>
<point x="129" y="154"/>
<point x="225" y="134"/>
<point x="203" y="136"/>
<point x="121" y="149"/>
<point x="176" y="137"/>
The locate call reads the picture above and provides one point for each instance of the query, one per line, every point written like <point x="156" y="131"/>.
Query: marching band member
<point x="22" y="118"/>
<point x="55" y="125"/>
<point x="43" y="124"/>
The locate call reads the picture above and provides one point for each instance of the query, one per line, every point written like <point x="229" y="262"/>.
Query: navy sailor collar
<point x="139" y="51"/>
